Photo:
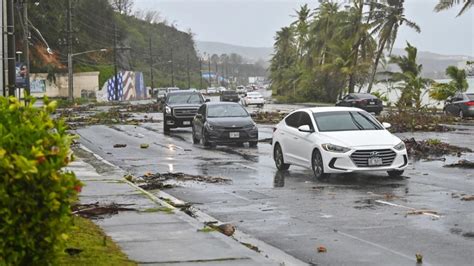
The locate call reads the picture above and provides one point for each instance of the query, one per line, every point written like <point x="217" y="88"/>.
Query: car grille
<point x="361" y="157"/>
<point x="185" y="112"/>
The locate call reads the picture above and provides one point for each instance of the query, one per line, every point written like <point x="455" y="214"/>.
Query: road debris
<point x="419" y="258"/>
<point x="227" y="229"/>
<point x="95" y="210"/>
<point x="410" y="121"/>
<point x="467" y="198"/>
<point x="120" y="145"/>
<point x="432" y="147"/>
<point x="419" y="212"/>
<point x="150" y="181"/>
<point x="322" y="249"/>
<point x="144" y="146"/>
<point x="250" y="246"/>
<point x="461" y="164"/>
<point x="268" y="117"/>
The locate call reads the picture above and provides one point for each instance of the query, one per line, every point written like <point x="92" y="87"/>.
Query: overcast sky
<point x="254" y="22"/>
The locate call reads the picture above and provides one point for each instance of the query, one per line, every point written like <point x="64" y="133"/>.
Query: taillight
<point x="471" y="103"/>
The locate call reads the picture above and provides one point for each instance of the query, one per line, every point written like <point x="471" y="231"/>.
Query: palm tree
<point x="301" y="28"/>
<point x="386" y="21"/>
<point x="458" y="83"/>
<point x="447" y="4"/>
<point x="282" y="62"/>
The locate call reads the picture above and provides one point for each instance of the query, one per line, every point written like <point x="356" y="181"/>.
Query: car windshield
<point x="470" y="96"/>
<point x="226" y="110"/>
<point x="254" y="94"/>
<point x="345" y="121"/>
<point x="229" y="92"/>
<point x="185" y="98"/>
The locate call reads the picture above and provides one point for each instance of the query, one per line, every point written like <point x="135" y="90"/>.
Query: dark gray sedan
<point x="461" y="104"/>
<point x="223" y="123"/>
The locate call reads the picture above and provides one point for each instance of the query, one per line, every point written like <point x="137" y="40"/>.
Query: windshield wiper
<point x="359" y="126"/>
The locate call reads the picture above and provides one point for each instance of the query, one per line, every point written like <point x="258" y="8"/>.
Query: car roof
<point x="221" y="103"/>
<point x="182" y="91"/>
<point x="330" y="109"/>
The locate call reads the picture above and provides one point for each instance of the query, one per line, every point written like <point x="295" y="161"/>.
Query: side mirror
<point x="208" y="100"/>
<point x="386" y="125"/>
<point x="305" y="128"/>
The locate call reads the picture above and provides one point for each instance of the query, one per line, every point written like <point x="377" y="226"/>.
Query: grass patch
<point x="207" y="229"/>
<point x="160" y="209"/>
<point x="91" y="246"/>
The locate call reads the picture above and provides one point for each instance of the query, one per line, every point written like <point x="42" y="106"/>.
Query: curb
<point x="266" y="250"/>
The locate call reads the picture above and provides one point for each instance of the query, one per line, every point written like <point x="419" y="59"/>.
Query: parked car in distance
<point x="337" y="140"/>
<point x="253" y="98"/>
<point x="180" y="107"/>
<point x="229" y="96"/>
<point x="211" y="90"/>
<point x="461" y="104"/>
<point x="364" y="101"/>
<point x="224" y="122"/>
<point x="221" y="89"/>
<point x="241" y="90"/>
<point x="161" y="94"/>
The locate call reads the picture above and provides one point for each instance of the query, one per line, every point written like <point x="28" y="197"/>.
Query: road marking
<point x="408" y="208"/>
<point x="246" y="166"/>
<point x="379" y="246"/>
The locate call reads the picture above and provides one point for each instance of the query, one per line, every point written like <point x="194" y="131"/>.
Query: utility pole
<point x="11" y="49"/>
<point x="210" y="78"/>
<point x="26" y="32"/>
<point x="187" y="64"/>
<point x="69" y="52"/>
<point x="151" y="65"/>
<point x="200" y="72"/>
<point x="217" y="77"/>
<point x="115" y="64"/>
<point x="2" y="46"/>
<point x="172" y="67"/>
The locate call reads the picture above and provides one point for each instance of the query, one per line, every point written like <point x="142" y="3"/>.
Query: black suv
<point x="229" y="96"/>
<point x="180" y="107"/>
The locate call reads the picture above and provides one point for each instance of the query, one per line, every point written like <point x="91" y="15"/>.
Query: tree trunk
<point x="376" y="63"/>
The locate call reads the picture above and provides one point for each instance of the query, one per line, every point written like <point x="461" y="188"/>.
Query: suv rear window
<point x="184" y="98"/>
<point x="470" y="96"/>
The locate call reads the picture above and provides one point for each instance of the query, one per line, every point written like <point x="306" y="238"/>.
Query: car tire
<point x="461" y="114"/>
<point x="253" y="143"/>
<point x="317" y="165"/>
<point x="166" y="128"/>
<point x="395" y="173"/>
<point x="195" y="140"/>
<point x="278" y="157"/>
<point x="378" y="113"/>
<point x="204" y="139"/>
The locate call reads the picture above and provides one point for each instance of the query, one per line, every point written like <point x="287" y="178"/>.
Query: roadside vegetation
<point x="88" y="245"/>
<point x="334" y="49"/>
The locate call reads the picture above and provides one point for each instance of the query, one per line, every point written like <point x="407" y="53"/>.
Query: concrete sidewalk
<point x="153" y="236"/>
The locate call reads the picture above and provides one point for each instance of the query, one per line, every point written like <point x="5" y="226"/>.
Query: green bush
<point x="35" y="194"/>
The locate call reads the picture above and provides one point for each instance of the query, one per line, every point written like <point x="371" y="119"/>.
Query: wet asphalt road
<point x="360" y="218"/>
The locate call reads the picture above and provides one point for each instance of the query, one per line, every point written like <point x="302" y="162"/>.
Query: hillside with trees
<point x="143" y="42"/>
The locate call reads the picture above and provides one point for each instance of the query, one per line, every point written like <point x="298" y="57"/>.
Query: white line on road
<point x="379" y="246"/>
<point x="246" y="166"/>
<point x="424" y="212"/>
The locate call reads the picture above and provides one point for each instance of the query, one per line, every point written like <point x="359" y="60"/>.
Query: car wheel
<point x="195" y="140"/>
<point x="461" y="114"/>
<point x="253" y="143"/>
<point x="378" y="113"/>
<point x="166" y="128"/>
<point x="318" y="165"/>
<point x="204" y="139"/>
<point x="278" y="157"/>
<point x="395" y="173"/>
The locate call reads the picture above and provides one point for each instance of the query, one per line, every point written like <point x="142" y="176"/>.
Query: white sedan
<point x="253" y="98"/>
<point x="337" y="140"/>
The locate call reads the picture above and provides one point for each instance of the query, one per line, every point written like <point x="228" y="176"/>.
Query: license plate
<point x="375" y="161"/>
<point x="234" y="135"/>
<point x="186" y="123"/>
<point x="371" y="103"/>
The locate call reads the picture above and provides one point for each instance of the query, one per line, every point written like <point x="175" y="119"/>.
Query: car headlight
<point x="400" y="146"/>
<point x="335" y="148"/>
<point x="167" y="110"/>
<point x="209" y="126"/>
